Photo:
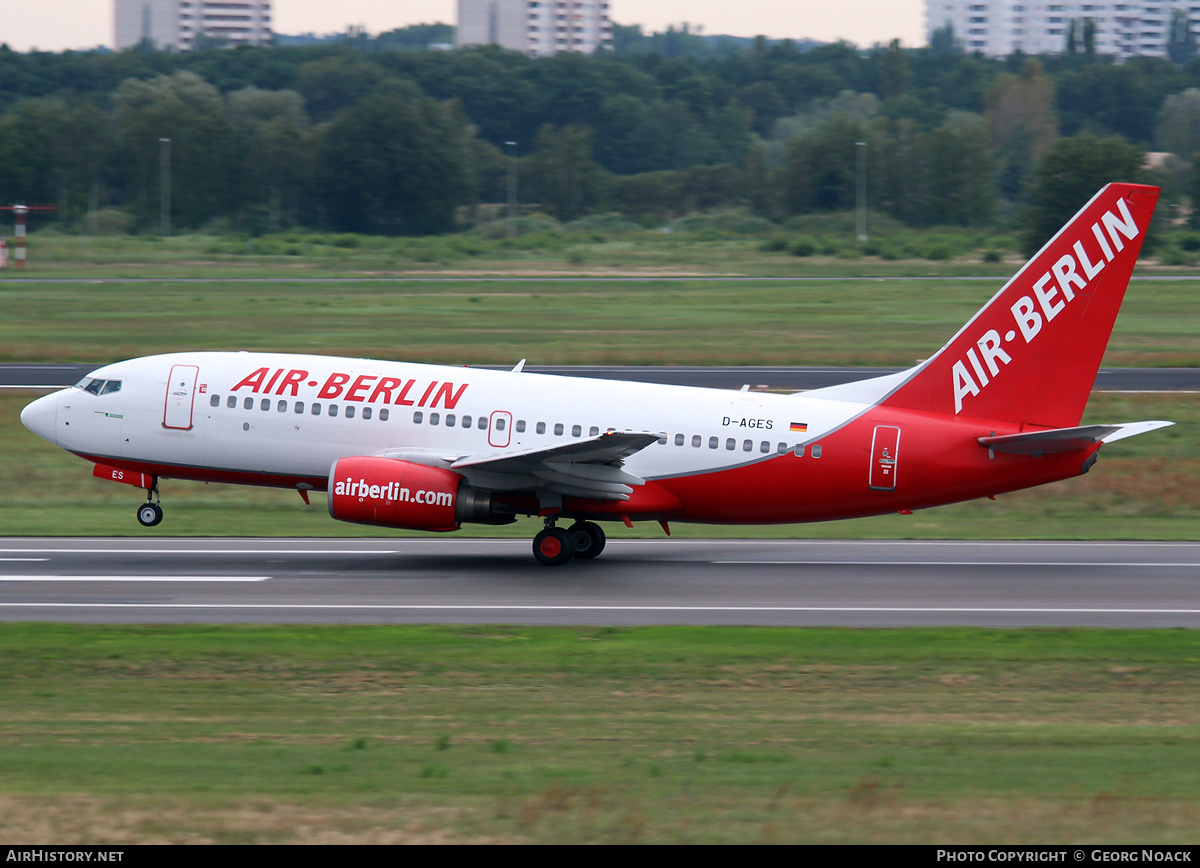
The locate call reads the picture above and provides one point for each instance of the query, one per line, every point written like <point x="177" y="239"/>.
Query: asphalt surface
<point x="635" y="582"/>
<point x="46" y="376"/>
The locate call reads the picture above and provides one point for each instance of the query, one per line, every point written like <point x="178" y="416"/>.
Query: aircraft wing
<point x="1066" y="439"/>
<point x="580" y="468"/>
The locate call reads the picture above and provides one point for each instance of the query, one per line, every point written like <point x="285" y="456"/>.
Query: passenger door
<point x="181" y="395"/>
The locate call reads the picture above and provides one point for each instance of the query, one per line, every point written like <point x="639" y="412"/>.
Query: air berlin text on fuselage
<point x="392" y="491"/>
<point x="365" y="388"/>
<point x="1054" y="290"/>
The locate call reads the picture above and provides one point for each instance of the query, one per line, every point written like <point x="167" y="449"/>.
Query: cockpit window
<point x="97" y="386"/>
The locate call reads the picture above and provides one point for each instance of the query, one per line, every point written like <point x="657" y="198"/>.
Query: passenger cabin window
<point x="816" y="451"/>
<point x="417" y="417"/>
<point x="576" y="430"/>
<point x="265" y="404"/>
<point x="466" y="419"/>
<point x="594" y="431"/>
<point x="500" y="423"/>
<point x="214" y="401"/>
<point x="231" y="401"/>
<point x="730" y="444"/>
<point x="349" y="412"/>
<point x="450" y="418"/>
<point x="434" y="418"/>
<point x="281" y="407"/>
<point x="520" y="426"/>
<point x="678" y="439"/>
<point x="299" y="406"/>
<point x="367" y="413"/>
<point x="713" y="442"/>
<point x="696" y="440"/>
<point x="333" y="409"/>
<point x="541" y="427"/>
<point x="316" y="409"/>
<point x="558" y="429"/>
<point x="482" y="423"/>
<point x="248" y="404"/>
<point x="383" y="414"/>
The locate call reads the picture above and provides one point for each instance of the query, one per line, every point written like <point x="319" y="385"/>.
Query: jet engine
<point x="391" y="493"/>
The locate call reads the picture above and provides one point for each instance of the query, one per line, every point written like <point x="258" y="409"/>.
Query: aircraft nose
<point x="41" y="417"/>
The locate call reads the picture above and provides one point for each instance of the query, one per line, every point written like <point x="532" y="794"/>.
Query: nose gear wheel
<point x="149" y="514"/>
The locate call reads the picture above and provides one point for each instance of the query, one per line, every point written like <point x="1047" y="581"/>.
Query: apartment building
<point x="176" y="25"/>
<point x="997" y="28"/>
<point x="537" y="27"/>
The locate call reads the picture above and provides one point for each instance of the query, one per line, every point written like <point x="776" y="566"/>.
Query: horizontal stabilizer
<point x="1066" y="439"/>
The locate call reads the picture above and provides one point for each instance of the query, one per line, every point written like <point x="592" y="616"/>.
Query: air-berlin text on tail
<point x="364" y="388"/>
<point x="1053" y="291"/>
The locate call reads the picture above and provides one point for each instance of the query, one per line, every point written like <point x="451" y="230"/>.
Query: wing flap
<point x="581" y="468"/>
<point x="611" y="447"/>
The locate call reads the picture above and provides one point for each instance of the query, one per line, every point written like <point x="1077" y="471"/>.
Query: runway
<point x="37" y="377"/>
<point x="635" y="582"/>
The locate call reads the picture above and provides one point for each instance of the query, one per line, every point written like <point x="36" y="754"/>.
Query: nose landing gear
<point x="150" y="513"/>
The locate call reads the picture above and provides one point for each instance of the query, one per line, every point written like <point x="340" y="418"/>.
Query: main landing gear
<point x="150" y="513"/>
<point x="554" y="545"/>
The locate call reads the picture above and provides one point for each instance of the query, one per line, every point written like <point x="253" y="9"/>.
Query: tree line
<point x="373" y="137"/>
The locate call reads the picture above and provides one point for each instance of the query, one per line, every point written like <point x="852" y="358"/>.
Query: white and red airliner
<point x="430" y="448"/>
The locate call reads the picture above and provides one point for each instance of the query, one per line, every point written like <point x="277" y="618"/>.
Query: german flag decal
<point x="799" y="426"/>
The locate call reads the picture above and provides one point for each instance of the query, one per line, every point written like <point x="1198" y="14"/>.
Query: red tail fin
<point x="1032" y="353"/>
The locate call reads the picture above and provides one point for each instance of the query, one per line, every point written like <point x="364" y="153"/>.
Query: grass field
<point x="834" y="312"/>
<point x="617" y="321"/>
<point x="534" y="251"/>
<point x="664" y="735"/>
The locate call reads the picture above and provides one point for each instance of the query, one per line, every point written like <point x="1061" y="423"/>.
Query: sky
<point x="57" y="25"/>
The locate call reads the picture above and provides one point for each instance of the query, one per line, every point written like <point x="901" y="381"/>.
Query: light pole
<point x="512" y="189"/>
<point x="861" y="147"/>
<point x="164" y="183"/>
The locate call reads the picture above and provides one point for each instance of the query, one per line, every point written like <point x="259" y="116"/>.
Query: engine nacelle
<point x="391" y="493"/>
